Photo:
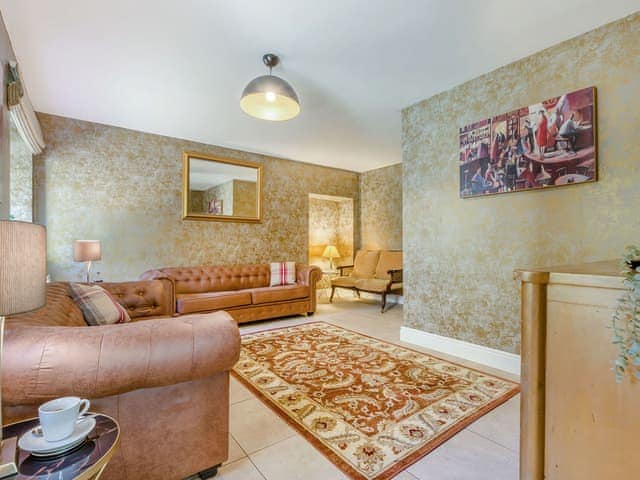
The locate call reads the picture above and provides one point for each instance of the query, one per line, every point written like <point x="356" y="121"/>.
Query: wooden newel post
<point x="532" y="375"/>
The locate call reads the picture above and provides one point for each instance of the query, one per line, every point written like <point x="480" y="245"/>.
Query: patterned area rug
<point x="371" y="407"/>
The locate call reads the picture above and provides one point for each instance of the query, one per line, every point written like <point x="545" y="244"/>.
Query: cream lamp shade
<point x="87" y="251"/>
<point x="23" y="267"/>
<point x="331" y="252"/>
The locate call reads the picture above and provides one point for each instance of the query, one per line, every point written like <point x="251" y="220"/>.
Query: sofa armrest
<point x="41" y="363"/>
<point x="342" y="268"/>
<point x="153" y="274"/>
<point x="144" y="298"/>
<point x="308" y="275"/>
<point x="395" y="275"/>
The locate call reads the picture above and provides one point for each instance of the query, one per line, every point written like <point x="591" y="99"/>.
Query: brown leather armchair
<point x="165" y="380"/>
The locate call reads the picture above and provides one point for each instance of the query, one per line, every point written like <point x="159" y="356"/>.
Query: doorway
<point x="331" y="220"/>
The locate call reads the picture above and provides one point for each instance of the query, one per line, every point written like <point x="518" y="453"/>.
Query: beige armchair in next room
<point x="373" y="271"/>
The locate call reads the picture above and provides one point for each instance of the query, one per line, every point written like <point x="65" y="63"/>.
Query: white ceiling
<point x="204" y="174"/>
<point x="177" y="67"/>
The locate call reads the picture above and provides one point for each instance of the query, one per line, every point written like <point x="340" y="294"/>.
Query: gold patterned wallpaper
<point x="460" y="254"/>
<point x="124" y="187"/>
<point x="331" y="222"/>
<point x="223" y="192"/>
<point x="244" y="198"/>
<point x="381" y="208"/>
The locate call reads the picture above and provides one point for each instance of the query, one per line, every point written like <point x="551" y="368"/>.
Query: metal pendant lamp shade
<point x="269" y="97"/>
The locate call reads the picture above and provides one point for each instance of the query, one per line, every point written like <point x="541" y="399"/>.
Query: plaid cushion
<point x="97" y="305"/>
<point x="283" y="273"/>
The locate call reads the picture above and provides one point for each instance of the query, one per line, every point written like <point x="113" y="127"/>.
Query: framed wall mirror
<point x="221" y="189"/>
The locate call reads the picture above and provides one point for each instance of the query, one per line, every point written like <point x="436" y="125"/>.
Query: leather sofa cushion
<point x="376" y="285"/>
<point x="203" y="302"/>
<point x="279" y="293"/>
<point x="364" y="265"/>
<point x="347" y="282"/>
<point x="389" y="260"/>
<point x="141" y="299"/>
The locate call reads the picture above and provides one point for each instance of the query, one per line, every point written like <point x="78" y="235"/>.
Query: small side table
<point x="324" y="284"/>
<point x="87" y="462"/>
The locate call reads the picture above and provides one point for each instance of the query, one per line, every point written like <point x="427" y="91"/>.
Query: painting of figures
<point x="550" y="143"/>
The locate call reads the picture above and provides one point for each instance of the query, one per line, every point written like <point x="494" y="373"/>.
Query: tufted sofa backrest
<point x="217" y="278"/>
<point x="59" y="311"/>
<point x="140" y="298"/>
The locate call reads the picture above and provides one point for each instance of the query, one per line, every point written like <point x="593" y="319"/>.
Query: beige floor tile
<point x="404" y="476"/>
<point x="501" y="425"/>
<point x="467" y="456"/>
<point x="238" y="392"/>
<point x="235" y="451"/>
<point x="295" y="459"/>
<point x="240" y="470"/>
<point x="278" y="323"/>
<point x="254" y="426"/>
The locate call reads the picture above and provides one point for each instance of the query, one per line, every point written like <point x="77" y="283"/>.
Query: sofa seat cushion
<point x="346" y="282"/>
<point x="204" y="302"/>
<point x="376" y="285"/>
<point x="279" y="294"/>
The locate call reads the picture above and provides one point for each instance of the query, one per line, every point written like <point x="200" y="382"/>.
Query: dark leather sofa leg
<point x="208" y="473"/>
<point x="310" y="314"/>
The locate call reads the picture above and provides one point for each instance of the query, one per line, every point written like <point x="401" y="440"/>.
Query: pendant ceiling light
<point x="269" y="97"/>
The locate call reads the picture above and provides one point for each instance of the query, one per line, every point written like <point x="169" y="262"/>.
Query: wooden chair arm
<point x="342" y="268"/>
<point x="396" y="275"/>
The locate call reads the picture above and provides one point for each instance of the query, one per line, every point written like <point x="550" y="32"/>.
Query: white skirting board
<point x="509" y="362"/>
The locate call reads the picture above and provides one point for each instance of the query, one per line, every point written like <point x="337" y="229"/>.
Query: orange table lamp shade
<point x="87" y="251"/>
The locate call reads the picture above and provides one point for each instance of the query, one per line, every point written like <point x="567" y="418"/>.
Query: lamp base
<point x="8" y="466"/>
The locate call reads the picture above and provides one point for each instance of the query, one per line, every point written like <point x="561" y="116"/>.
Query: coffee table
<point x="86" y="462"/>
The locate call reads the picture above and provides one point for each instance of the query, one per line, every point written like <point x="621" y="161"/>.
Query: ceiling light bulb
<point x="270" y="96"/>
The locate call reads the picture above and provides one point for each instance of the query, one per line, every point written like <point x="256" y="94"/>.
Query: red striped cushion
<point x="283" y="273"/>
<point x="97" y="305"/>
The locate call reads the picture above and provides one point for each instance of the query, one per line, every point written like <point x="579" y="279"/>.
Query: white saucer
<point x="38" y="446"/>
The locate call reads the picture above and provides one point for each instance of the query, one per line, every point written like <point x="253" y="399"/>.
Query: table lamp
<point x="331" y="252"/>
<point x="23" y="268"/>
<point x="87" y="251"/>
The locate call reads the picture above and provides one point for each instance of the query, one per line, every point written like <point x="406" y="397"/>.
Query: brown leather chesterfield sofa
<point x="164" y="379"/>
<point x="241" y="290"/>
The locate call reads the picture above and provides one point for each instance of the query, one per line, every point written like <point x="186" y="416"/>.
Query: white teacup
<point x="58" y="417"/>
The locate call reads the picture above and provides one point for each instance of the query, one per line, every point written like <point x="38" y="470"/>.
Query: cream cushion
<point x="347" y="282"/>
<point x="376" y="285"/>
<point x="389" y="260"/>
<point x="364" y="265"/>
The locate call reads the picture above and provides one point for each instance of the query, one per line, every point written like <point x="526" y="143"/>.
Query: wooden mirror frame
<point x="186" y="215"/>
